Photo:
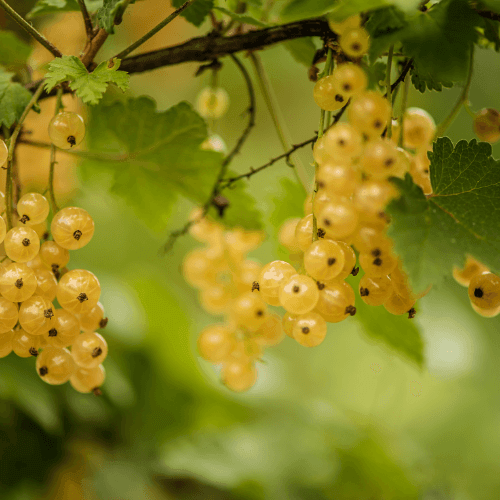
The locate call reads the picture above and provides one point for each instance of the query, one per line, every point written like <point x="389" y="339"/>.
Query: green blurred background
<point x="349" y="419"/>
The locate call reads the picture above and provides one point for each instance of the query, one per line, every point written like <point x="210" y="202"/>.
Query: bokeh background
<point x="349" y="419"/>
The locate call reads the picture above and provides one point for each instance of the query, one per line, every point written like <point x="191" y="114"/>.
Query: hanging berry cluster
<point x="34" y="274"/>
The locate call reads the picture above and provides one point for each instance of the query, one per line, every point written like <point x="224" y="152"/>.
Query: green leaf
<point x="491" y="34"/>
<point x="302" y="9"/>
<point x="241" y="18"/>
<point x="426" y="81"/>
<point x="344" y="9"/>
<point x="288" y="203"/>
<point x="440" y="40"/>
<point x="158" y="155"/>
<point x="462" y="216"/>
<point x="196" y="12"/>
<point x="376" y="73"/>
<point x="13" y="99"/>
<point x="43" y="7"/>
<point x="302" y="50"/>
<point x="397" y="332"/>
<point x="111" y="13"/>
<point x="241" y="211"/>
<point x="13" y="50"/>
<point x="90" y="87"/>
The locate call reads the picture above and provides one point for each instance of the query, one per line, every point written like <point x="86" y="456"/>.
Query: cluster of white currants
<point x="32" y="276"/>
<point x="483" y="287"/>
<point x="225" y="278"/>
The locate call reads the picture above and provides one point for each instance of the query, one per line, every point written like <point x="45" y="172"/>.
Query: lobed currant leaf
<point x="111" y="13"/>
<point x="13" y="50"/>
<point x="13" y="99"/>
<point x="197" y="12"/>
<point x="43" y="7"/>
<point x="462" y="216"/>
<point x="90" y="87"/>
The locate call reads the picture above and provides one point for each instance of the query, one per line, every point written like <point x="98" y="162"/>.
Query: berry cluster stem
<point x="53" y="162"/>
<point x="404" y="104"/>
<point x="277" y="117"/>
<point x="30" y="29"/>
<point x="12" y="146"/>
<point x="388" y="87"/>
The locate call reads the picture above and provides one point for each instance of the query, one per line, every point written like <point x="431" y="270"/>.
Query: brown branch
<point x="93" y="47"/>
<point x="89" y="29"/>
<point x="489" y="15"/>
<point x="212" y="46"/>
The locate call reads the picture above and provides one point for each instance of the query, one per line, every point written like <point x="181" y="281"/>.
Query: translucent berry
<point x="203" y="228"/>
<point x="287" y="323"/>
<point x="309" y="329"/>
<point x="37" y="263"/>
<point x="238" y="377"/>
<point x="89" y="350"/>
<point x="66" y="130"/>
<point x="324" y="260"/>
<point x="381" y="160"/>
<point x="55" y="366"/>
<point x="343" y="142"/>
<point x="33" y="208"/>
<point x="486" y="125"/>
<point x="338" y="219"/>
<point x="64" y="329"/>
<point x="215" y="343"/>
<point x="299" y="294"/>
<point x="420" y="171"/>
<point x="336" y="301"/>
<point x="46" y="284"/>
<point x="21" y="244"/>
<point x="273" y="276"/>
<point x="6" y="343"/>
<point x="197" y="269"/>
<point x="17" y="282"/>
<point x="9" y="314"/>
<point x="286" y="236"/>
<point x="327" y="96"/>
<point x="212" y="102"/>
<point x="350" y="79"/>
<point x="471" y="268"/>
<point x="322" y="199"/>
<point x="36" y="315"/>
<point x="3" y="229"/>
<point x="371" y="197"/>
<point x="72" y="228"/>
<point x="94" y="319"/>
<point x="346" y="24"/>
<point x="337" y="179"/>
<point x="271" y="331"/>
<point x="54" y="256"/>
<point x="4" y="152"/>
<point x="349" y="260"/>
<point x="399" y="304"/>
<point x="88" y="380"/>
<point x="484" y="290"/>
<point x="378" y="264"/>
<point x="215" y="299"/>
<point x="249" y="311"/>
<point x="78" y="291"/>
<point x="355" y="42"/>
<point x="485" y="313"/>
<point x="248" y="273"/>
<point x="308" y="204"/>
<point x="369" y="113"/>
<point x="418" y="128"/>
<point x="214" y="143"/>
<point x="25" y="344"/>
<point x="367" y="237"/>
<point x="375" y="291"/>
<point x="320" y="154"/>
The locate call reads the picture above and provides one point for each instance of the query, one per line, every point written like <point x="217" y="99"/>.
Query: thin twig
<point x="89" y="29"/>
<point x="402" y="76"/>
<point x="389" y="89"/>
<point x="12" y="145"/>
<point x="93" y="47"/>
<point x="402" y="111"/>
<point x="30" y="29"/>
<point x="279" y="122"/>
<point x="464" y="95"/>
<point x="53" y="162"/>
<point x="158" y="27"/>
<point x="217" y="188"/>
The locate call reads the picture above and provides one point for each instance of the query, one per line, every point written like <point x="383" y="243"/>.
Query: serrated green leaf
<point x="397" y="332"/>
<point x="13" y="50"/>
<point x="90" y="87"/>
<point x="160" y="155"/>
<point x="462" y="216"/>
<point x="241" y="18"/>
<point x="440" y="40"/>
<point x="241" y="211"/>
<point x="385" y="27"/>
<point x="111" y="13"/>
<point x="43" y="7"/>
<point x="426" y="81"/>
<point x="197" y="12"/>
<point x="302" y="50"/>
<point x="13" y="99"/>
